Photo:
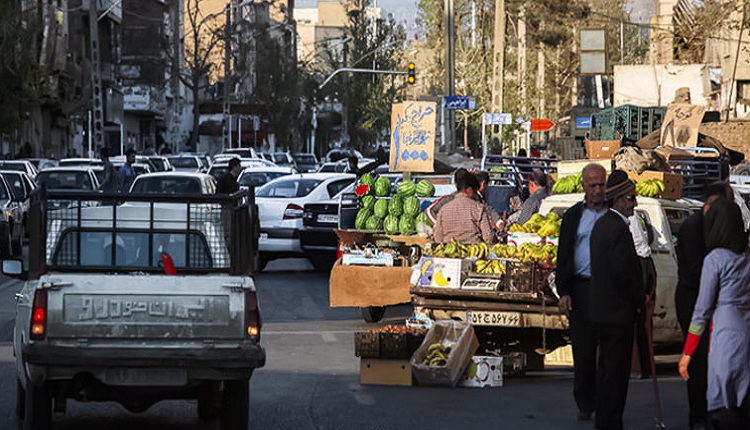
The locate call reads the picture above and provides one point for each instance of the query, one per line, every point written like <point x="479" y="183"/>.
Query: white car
<point x="186" y="163"/>
<point x="260" y="175"/>
<point x="20" y="166"/>
<point x="80" y="178"/>
<point x="221" y="165"/>
<point x="280" y="206"/>
<point x="164" y="183"/>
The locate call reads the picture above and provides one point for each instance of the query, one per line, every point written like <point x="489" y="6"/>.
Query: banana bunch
<point x="649" y="187"/>
<point x="479" y="250"/>
<point x="568" y="184"/>
<point x="549" y="229"/>
<point x="505" y="251"/>
<point x="490" y="266"/>
<point x="518" y="228"/>
<point x="455" y="249"/>
<point x="437" y="354"/>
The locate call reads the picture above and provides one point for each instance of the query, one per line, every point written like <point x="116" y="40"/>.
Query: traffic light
<point x="411" y="78"/>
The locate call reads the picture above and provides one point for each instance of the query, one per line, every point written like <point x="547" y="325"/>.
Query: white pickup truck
<point x="507" y="323"/>
<point x="97" y="322"/>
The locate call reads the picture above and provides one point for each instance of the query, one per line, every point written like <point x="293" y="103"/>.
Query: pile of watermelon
<point x="397" y="213"/>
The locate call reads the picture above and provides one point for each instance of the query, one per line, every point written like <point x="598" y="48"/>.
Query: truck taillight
<point x="293" y="211"/>
<point x="252" y="316"/>
<point x="340" y="250"/>
<point x="38" y="329"/>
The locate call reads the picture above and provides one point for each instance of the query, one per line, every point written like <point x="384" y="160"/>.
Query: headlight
<point x="8" y="214"/>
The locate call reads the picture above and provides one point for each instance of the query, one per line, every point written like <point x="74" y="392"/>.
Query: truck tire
<point x="322" y="262"/>
<point x="235" y="409"/>
<point x="209" y="401"/>
<point x="38" y="408"/>
<point x="20" y="400"/>
<point x="373" y="313"/>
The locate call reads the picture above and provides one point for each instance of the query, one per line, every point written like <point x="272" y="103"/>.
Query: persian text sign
<point x="413" y="137"/>
<point x="681" y="123"/>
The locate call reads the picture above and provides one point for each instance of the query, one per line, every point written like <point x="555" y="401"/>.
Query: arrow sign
<point x="541" y="124"/>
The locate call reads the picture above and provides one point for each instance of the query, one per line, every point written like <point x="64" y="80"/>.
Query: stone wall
<point x="733" y="134"/>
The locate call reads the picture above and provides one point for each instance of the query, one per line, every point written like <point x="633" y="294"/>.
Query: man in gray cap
<point x="615" y="297"/>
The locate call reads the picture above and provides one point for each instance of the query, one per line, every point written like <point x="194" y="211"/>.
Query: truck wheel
<point x="235" y="410"/>
<point x="209" y="401"/>
<point x="262" y="263"/>
<point x="322" y="262"/>
<point x="373" y="313"/>
<point x="20" y="399"/>
<point x="38" y="408"/>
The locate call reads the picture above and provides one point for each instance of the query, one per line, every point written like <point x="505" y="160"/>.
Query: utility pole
<point x="176" y="71"/>
<point x="225" y="131"/>
<point x="522" y="56"/>
<point x="540" y="80"/>
<point x="498" y="63"/>
<point x="97" y="108"/>
<point x="450" y="39"/>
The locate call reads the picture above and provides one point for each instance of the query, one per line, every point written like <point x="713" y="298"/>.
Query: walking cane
<point x="650" y="336"/>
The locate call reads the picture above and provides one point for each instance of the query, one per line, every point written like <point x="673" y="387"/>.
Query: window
<point x="336" y="186"/>
<point x="184" y="162"/>
<point x="16" y="185"/>
<point x="675" y="218"/>
<point x="289" y="189"/>
<point x="306" y="159"/>
<point x="167" y="185"/>
<point x="61" y="180"/>
<point x="256" y="179"/>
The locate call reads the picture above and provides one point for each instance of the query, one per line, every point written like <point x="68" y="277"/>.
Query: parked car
<point x="174" y="183"/>
<point x="280" y="207"/>
<point x="119" y="160"/>
<point x="11" y="222"/>
<point x="20" y="166"/>
<point x="221" y="167"/>
<point x="187" y="163"/>
<point x="306" y="162"/>
<point x="333" y="167"/>
<point x="81" y="178"/>
<point x="21" y="187"/>
<point x="241" y="152"/>
<point x="260" y="175"/>
<point x="71" y="162"/>
<point x="283" y="159"/>
<point x="342" y="154"/>
<point x="43" y="163"/>
<point x="161" y="163"/>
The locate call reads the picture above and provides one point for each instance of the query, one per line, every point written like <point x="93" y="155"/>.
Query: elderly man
<point x="615" y="298"/>
<point x="573" y="279"/>
<point x="464" y="218"/>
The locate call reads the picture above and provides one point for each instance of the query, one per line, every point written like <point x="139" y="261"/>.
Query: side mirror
<point x="13" y="268"/>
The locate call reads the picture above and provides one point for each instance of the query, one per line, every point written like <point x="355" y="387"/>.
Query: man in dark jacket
<point x="227" y="183"/>
<point x="573" y="278"/>
<point x="691" y="248"/>
<point x="615" y="298"/>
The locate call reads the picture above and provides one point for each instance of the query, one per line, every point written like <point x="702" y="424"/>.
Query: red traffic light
<point x="411" y="77"/>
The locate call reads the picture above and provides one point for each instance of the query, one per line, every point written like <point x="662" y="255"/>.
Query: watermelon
<point x="381" y="207"/>
<point x="362" y="216"/>
<point x="406" y="189"/>
<point x="407" y="225"/>
<point x="425" y="188"/>
<point x="367" y="180"/>
<point x="411" y="206"/>
<point x="396" y="206"/>
<point x="368" y="202"/>
<point x="422" y="217"/>
<point x="390" y="224"/>
<point x="383" y="187"/>
<point x="374" y="223"/>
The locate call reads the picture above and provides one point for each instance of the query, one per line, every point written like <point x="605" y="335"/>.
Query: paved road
<point x="311" y="380"/>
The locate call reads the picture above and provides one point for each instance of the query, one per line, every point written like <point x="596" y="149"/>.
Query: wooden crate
<point x="599" y="149"/>
<point x="672" y="182"/>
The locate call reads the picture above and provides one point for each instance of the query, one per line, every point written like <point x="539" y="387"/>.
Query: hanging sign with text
<point x="413" y="137"/>
<point x="681" y="123"/>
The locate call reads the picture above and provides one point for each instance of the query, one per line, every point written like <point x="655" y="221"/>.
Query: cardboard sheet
<point x="362" y="286"/>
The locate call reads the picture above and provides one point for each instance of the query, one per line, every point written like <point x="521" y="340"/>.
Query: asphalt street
<point x="311" y="379"/>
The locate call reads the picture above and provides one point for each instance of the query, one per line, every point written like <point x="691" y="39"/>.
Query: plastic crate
<point x="519" y="276"/>
<point x="630" y="121"/>
<point x="367" y="344"/>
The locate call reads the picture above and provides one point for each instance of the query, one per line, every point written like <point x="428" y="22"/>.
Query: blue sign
<point x="583" y="122"/>
<point x="498" y="119"/>
<point x="459" y="102"/>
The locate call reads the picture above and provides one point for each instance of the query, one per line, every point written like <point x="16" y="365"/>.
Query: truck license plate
<point x="493" y="318"/>
<point x="145" y="377"/>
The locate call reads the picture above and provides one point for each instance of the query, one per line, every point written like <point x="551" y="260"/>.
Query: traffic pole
<point x="649" y="330"/>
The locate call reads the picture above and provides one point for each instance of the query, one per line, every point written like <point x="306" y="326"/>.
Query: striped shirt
<point x="465" y="220"/>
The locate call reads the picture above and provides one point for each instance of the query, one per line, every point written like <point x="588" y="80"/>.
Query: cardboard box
<point x="425" y="271"/>
<point x="448" y="332"/>
<point x="361" y="286"/>
<point x="449" y="272"/>
<point x="672" y="182"/>
<point x="483" y="371"/>
<point x="600" y="149"/>
<point x="518" y="238"/>
<point x="382" y="371"/>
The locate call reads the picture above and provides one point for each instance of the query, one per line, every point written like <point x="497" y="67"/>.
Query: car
<point x="320" y="220"/>
<point x="161" y="163"/>
<point x="221" y="166"/>
<point x="19" y="165"/>
<point x="283" y="159"/>
<point x="138" y="168"/>
<point x="334" y="167"/>
<point x="43" y="163"/>
<point x="240" y="152"/>
<point x="174" y="183"/>
<point x="11" y="221"/>
<point x="257" y="176"/>
<point x="119" y="160"/>
<point x="742" y="198"/>
<point x="342" y="154"/>
<point x="306" y="162"/>
<point x="80" y="178"/>
<point x="187" y="163"/>
<point x="280" y="208"/>
<point x="21" y="187"/>
<point x="71" y="162"/>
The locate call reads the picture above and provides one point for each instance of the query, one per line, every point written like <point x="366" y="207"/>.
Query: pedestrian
<point x="109" y="180"/>
<point x="724" y="302"/>
<point x="538" y="191"/>
<point x="227" y="183"/>
<point x="464" y="219"/>
<point x="615" y="297"/>
<point x="482" y="193"/>
<point x="691" y="249"/>
<point x="573" y="278"/>
<point x="642" y="241"/>
<point x="126" y="175"/>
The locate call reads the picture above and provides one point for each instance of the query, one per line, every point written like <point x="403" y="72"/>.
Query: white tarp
<point x="646" y="85"/>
